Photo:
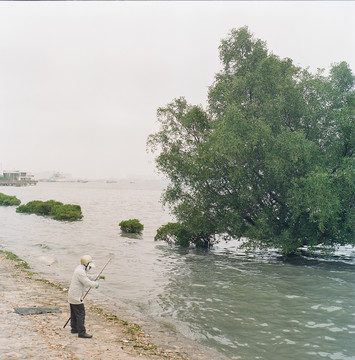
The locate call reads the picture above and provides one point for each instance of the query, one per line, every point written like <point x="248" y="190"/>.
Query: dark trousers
<point x="77" y="318"/>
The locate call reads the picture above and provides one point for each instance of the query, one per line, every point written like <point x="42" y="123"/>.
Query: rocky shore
<point x="42" y="336"/>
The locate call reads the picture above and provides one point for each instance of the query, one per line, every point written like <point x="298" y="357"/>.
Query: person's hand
<point x="102" y="277"/>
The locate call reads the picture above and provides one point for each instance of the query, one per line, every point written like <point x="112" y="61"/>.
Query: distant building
<point x="16" y="177"/>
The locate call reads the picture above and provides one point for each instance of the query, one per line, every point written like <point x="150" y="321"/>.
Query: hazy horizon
<point x="81" y="81"/>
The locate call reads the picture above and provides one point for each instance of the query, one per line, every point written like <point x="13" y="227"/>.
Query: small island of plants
<point x="132" y="226"/>
<point x="7" y="200"/>
<point x="55" y="209"/>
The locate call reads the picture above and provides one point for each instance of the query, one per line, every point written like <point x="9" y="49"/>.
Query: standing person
<point x="78" y="286"/>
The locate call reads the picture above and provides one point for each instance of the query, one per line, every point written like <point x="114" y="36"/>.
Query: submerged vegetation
<point x="131" y="226"/>
<point x="271" y="159"/>
<point x="8" y="200"/>
<point x="55" y="209"/>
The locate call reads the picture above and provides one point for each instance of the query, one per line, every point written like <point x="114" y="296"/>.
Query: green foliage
<point x="38" y="207"/>
<point x="271" y="159"/>
<point x="7" y="200"/>
<point x="173" y="233"/>
<point x="66" y="212"/>
<point x="132" y="226"/>
<point x="55" y="209"/>
<point x="178" y="234"/>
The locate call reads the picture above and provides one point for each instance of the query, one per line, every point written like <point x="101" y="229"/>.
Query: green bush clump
<point x="67" y="212"/>
<point x="7" y="200"/>
<point x="179" y="234"/>
<point x="132" y="226"/>
<point x="38" y="207"/>
<point x="56" y="209"/>
<point x="173" y="233"/>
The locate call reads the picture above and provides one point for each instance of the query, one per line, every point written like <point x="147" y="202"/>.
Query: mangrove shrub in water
<point x="55" y="209"/>
<point x="272" y="158"/>
<point x="7" y="200"/>
<point x="67" y="212"/>
<point x="178" y="234"/>
<point x="132" y="226"/>
<point x="38" y="207"/>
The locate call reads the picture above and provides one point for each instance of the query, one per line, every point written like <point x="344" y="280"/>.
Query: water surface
<point x="246" y="307"/>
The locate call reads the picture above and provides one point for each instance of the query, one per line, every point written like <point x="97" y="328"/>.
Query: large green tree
<point x="271" y="159"/>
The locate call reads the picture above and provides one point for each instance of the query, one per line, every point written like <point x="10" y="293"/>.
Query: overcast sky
<point x="80" y="82"/>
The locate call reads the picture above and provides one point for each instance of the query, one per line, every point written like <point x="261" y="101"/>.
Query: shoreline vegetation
<point x="113" y="337"/>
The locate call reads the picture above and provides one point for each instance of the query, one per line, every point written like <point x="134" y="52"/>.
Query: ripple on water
<point x="337" y="329"/>
<point x="326" y="308"/>
<point x="313" y="325"/>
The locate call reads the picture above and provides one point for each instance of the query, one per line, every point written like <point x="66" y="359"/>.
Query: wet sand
<point x="42" y="336"/>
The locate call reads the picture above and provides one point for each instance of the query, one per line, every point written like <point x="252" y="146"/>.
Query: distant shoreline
<point x="18" y="182"/>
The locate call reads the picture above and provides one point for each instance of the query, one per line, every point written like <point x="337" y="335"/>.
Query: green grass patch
<point x="22" y="265"/>
<point x="50" y="283"/>
<point x="10" y="255"/>
<point x="133" y="329"/>
<point x="146" y="347"/>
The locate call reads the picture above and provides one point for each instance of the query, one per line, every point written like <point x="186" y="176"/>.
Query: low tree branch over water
<point x="272" y="157"/>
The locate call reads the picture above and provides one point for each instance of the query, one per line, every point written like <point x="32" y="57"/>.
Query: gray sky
<point x="80" y="82"/>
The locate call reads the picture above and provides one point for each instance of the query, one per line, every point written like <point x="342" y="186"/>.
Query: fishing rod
<point x="89" y="289"/>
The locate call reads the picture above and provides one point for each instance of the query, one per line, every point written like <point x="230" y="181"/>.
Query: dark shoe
<point x="85" y="335"/>
<point x="74" y="331"/>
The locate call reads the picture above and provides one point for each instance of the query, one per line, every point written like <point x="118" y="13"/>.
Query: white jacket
<point x="80" y="282"/>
